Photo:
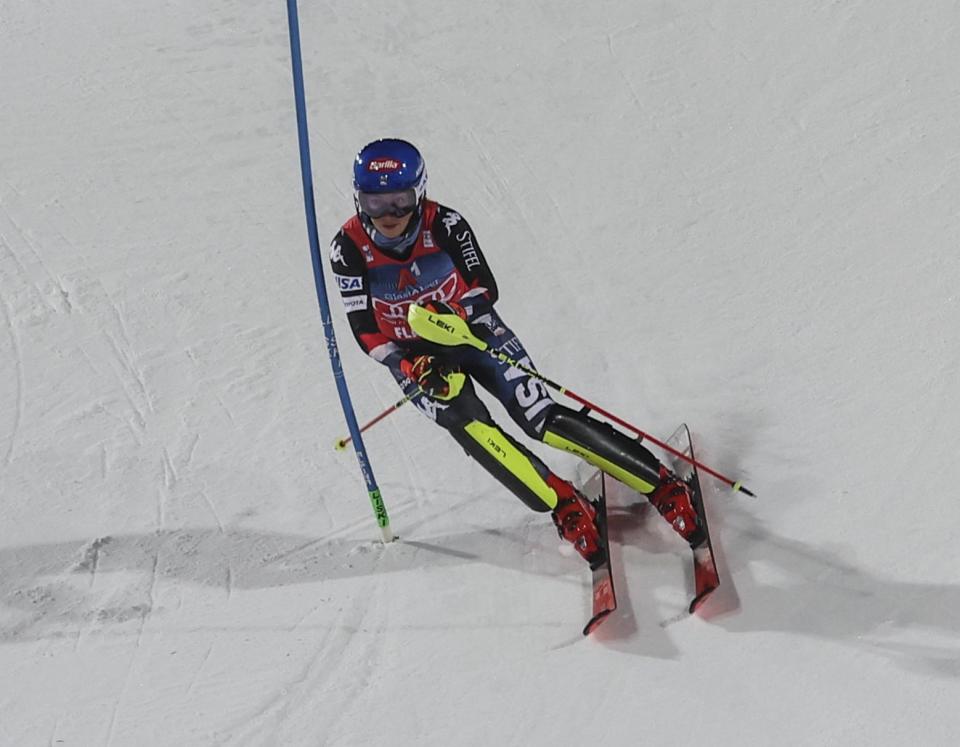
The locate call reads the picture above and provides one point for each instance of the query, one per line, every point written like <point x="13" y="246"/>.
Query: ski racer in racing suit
<point x="402" y="248"/>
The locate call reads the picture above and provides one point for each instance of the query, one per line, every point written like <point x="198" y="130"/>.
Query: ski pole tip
<point x="340" y="444"/>
<point x="738" y="488"/>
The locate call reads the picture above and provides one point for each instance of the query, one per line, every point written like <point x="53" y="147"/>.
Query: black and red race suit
<point x="444" y="263"/>
<point x="377" y="286"/>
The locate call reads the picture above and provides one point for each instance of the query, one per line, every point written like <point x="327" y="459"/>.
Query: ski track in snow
<point x="335" y="665"/>
<point x="134" y="658"/>
<point x="10" y="323"/>
<point x="734" y="214"/>
<point x="18" y="364"/>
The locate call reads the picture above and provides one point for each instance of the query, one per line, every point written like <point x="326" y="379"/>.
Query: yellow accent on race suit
<point x="627" y="478"/>
<point x="516" y="462"/>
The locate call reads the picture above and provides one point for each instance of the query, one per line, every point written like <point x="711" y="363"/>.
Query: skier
<point x="401" y="248"/>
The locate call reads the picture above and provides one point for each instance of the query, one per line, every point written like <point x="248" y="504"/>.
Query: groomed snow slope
<point x="737" y="214"/>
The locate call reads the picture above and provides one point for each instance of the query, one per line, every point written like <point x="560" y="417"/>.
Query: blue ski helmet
<point x="389" y="177"/>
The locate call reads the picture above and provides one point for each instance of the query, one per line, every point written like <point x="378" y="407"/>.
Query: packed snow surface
<point x="741" y="215"/>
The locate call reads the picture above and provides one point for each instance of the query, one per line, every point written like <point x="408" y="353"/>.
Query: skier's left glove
<point x="435" y="379"/>
<point x="445" y="307"/>
<point x="478" y="317"/>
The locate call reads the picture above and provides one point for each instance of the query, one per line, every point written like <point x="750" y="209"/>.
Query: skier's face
<point x="391" y="226"/>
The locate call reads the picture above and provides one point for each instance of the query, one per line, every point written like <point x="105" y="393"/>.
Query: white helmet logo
<point x="383" y="164"/>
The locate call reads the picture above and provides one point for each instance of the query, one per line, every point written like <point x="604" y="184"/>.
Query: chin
<point x="396" y="229"/>
<point x="391" y="233"/>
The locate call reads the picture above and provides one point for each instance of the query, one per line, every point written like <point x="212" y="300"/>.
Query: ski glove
<point x="478" y="317"/>
<point x="434" y="378"/>
<point x="445" y="307"/>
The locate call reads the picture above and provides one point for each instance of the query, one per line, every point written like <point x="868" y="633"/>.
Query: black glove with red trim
<point x="434" y="378"/>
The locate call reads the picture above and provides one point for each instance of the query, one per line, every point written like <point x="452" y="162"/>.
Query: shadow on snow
<point x="50" y="590"/>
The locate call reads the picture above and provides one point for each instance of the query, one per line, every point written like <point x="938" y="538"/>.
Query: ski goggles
<point x="379" y="204"/>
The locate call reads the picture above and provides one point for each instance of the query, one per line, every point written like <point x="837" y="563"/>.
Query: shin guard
<point x="600" y="444"/>
<point x="515" y="467"/>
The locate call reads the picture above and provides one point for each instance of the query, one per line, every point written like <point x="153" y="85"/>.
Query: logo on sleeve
<point x="348" y="283"/>
<point x="336" y="254"/>
<point x="355" y="303"/>
<point x="468" y="250"/>
<point x="450" y="220"/>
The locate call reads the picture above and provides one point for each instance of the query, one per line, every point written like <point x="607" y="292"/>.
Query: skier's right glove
<point x="434" y="378"/>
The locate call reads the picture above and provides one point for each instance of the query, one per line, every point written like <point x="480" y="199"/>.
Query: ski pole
<point x="341" y="443"/>
<point x="451" y="330"/>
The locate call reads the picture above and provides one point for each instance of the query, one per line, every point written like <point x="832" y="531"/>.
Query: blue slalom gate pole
<point x="296" y="59"/>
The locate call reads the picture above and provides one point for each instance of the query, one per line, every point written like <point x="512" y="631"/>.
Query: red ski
<point x="705" y="575"/>
<point x="604" y="596"/>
